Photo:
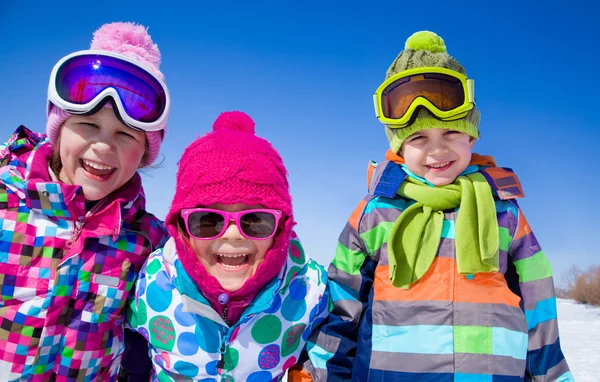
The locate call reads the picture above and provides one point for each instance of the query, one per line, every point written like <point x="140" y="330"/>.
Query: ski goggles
<point x="82" y="83"/>
<point x="447" y="94"/>
<point x="209" y="224"/>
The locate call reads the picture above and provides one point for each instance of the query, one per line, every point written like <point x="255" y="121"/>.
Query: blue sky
<point x="306" y="71"/>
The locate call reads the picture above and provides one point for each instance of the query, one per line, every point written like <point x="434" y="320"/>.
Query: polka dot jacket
<point x="189" y="341"/>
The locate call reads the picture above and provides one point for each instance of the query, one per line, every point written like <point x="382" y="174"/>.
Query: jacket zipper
<point x="76" y="232"/>
<point x="221" y="362"/>
<point x="80" y="223"/>
<point x="224" y="315"/>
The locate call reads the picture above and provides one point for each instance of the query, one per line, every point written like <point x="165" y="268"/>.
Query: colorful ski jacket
<point x="190" y="341"/>
<point x="498" y="326"/>
<point x="65" y="273"/>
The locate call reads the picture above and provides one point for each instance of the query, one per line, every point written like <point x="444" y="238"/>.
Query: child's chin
<point x="232" y="285"/>
<point x="441" y="180"/>
<point x="92" y="194"/>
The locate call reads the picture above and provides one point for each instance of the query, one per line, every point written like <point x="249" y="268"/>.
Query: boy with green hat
<point x="437" y="275"/>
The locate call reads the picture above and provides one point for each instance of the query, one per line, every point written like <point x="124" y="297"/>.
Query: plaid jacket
<point x="65" y="273"/>
<point x="498" y="326"/>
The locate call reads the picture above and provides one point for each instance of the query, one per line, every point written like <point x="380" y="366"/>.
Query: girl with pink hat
<point x="231" y="296"/>
<point x="74" y="230"/>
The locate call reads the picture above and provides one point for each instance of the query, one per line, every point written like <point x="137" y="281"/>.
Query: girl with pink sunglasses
<point x="232" y="295"/>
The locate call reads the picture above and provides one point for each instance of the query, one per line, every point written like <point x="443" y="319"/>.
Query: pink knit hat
<point x="232" y="165"/>
<point x="130" y="40"/>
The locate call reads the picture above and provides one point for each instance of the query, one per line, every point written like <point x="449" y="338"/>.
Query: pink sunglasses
<point x="209" y="224"/>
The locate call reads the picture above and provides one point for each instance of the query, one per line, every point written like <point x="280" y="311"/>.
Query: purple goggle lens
<point x="80" y="79"/>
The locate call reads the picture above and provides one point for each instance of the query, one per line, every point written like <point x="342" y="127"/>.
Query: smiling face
<point x="232" y="258"/>
<point x="438" y="155"/>
<point x="99" y="153"/>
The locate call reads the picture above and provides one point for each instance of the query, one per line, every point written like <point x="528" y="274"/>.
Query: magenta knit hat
<point x="232" y="165"/>
<point x="130" y="40"/>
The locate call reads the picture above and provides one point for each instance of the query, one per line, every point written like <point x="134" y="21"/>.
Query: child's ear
<point x="183" y="235"/>
<point x="473" y="142"/>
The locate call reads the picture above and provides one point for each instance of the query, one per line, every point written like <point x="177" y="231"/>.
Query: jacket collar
<point x="194" y="301"/>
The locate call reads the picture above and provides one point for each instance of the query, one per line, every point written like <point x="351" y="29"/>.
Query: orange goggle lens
<point x="445" y="92"/>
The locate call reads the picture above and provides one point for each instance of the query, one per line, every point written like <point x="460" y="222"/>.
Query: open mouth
<point x="441" y="166"/>
<point x="96" y="169"/>
<point x="232" y="261"/>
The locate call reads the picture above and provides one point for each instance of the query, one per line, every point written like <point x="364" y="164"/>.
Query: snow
<point x="579" y="329"/>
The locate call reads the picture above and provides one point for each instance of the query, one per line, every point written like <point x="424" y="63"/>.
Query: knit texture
<point x="427" y="49"/>
<point x="232" y="165"/>
<point x="415" y="236"/>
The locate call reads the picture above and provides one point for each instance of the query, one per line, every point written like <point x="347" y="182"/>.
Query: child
<point x="74" y="230"/>
<point x="231" y="296"/>
<point x="437" y="275"/>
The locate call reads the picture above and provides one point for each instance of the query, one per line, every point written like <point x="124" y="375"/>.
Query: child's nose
<point x="437" y="147"/>
<point x="104" y="145"/>
<point x="232" y="232"/>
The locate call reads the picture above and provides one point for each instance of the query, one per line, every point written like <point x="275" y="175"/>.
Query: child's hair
<point x="134" y="42"/>
<point x="55" y="162"/>
<point x="427" y="49"/>
<point x="231" y="165"/>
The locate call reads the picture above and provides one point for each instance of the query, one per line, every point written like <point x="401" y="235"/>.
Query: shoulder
<point x="373" y="210"/>
<point x="311" y="285"/>
<point x="158" y="270"/>
<point x="162" y="259"/>
<point x="301" y="267"/>
<point x="317" y="274"/>
<point x="149" y="226"/>
<point x="22" y="142"/>
<point x="504" y="182"/>
<point x="11" y="188"/>
<point x="304" y="293"/>
<point x="154" y="291"/>
<point x="154" y="263"/>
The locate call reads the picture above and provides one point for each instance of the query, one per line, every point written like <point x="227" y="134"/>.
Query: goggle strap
<point x="376" y="105"/>
<point x="471" y="90"/>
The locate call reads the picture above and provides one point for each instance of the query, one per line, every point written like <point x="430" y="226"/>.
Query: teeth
<point x="97" y="166"/>
<point x="439" y="165"/>
<point x="230" y="266"/>
<point x="232" y="260"/>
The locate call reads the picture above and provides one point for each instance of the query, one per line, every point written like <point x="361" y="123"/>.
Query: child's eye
<point x="416" y="138"/>
<point x="452" y="132"/>
<point x="126" y="134"/>
<point x="90" y="124"/>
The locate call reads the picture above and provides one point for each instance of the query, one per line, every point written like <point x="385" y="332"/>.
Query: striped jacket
<point x="65" y="273"/>
<point x="498" y="326"/>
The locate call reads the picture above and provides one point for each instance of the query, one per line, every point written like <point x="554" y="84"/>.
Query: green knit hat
<point x="422" y="49"/>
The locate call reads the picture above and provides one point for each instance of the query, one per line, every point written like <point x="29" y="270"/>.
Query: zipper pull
<point x="224" y="315"/>
<point x="81" y="222"/>
<point x="76" y="232"/>
<point x="223" y="300"/>
<point x="221" y="363"/>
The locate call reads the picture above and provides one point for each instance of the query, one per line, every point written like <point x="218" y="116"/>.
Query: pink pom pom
<point x="130" y="40"/>
<point x="234" y="121"/>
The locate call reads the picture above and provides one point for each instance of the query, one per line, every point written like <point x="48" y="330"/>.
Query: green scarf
<point x="415" y="237"/>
